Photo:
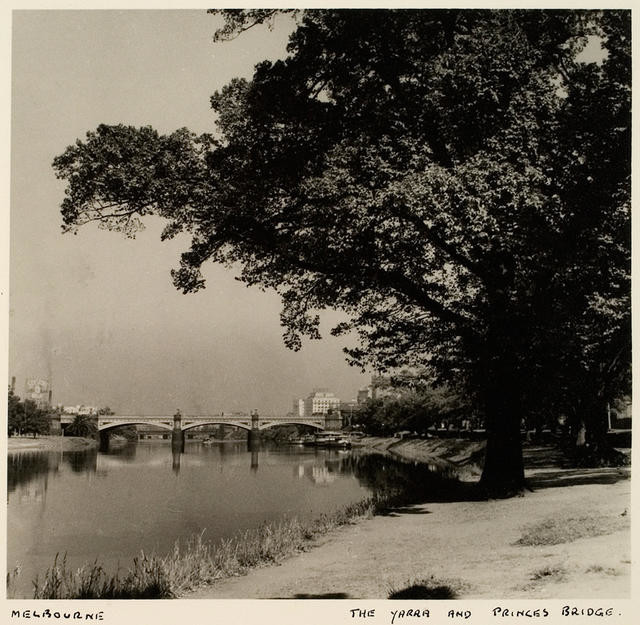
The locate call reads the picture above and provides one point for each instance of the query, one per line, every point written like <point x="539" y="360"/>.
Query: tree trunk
<point x="503" y="473"/>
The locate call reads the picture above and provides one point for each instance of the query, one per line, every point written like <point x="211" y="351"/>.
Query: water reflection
<point x="25" y="467"/>
<point x="126" y="452"/>
<point x="109" y="505"/>
<point x="321" y="466"/>
<point x="175" y="460"/>
<point x="384" y="474"/>
<point x="82" y="461"/>
<point x="315" y="474"/>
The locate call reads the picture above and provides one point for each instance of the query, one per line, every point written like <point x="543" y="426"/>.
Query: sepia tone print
<point x="345" y="291"/>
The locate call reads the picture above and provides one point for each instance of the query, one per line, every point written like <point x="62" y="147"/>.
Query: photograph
<point x="321" y="303"/>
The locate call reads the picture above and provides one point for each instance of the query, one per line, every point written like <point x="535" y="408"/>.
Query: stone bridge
<point x="177" y="424"/>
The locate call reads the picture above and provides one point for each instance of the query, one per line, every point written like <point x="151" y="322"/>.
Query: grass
<point x="557" y="573"/>
<point x="598" y="568"/>
<point x="12" y="576"/>
<point x="196" y="562"/>
<point x="555" y="531"/>
<point x="547" y="574"/>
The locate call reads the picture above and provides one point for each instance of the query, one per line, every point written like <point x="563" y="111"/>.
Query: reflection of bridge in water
<point x="332" y="459"/>
<point x="110" y="459"/>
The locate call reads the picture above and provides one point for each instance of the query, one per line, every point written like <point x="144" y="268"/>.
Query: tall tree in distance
<point x="15" y="413"/>
<point x="83" y="426"/>
<point x="456" y="181"/>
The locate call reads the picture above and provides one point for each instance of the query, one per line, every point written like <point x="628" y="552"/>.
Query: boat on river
<point x="323" y="439"/>
<point x="332" y="439"/>
<point x="302" y="440"/>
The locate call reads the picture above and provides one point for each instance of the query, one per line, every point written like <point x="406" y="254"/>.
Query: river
<point x="109" y="505"/>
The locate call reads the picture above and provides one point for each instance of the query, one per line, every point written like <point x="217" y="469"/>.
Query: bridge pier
<point x="176" y="452"/>
<point x="254" y="438"/>
<point x="104" y="440"/>
<point x="177" y="441"/>
<point x="177" y="435"/>
<point x="333" y="421"/>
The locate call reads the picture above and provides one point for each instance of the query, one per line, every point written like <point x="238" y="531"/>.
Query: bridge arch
<point x="235" y="424"/>
<point x="112" y="425"/>
<point x="314" y="424"/>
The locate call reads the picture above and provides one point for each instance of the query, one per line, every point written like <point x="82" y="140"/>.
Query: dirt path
<point x="470" y="549"/>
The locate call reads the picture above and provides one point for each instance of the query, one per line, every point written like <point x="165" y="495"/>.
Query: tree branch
<point x="438" y="241"/>
<point x="259" y="235"/>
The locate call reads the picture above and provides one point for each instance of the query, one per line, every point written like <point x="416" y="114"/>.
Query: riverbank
<point x="49" y="443"/>
<point x="464" y="456"/>
<point x="569" y="537"/>
<point x="193" y="563"/>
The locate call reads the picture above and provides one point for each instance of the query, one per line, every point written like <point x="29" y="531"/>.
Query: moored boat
<point x="298" y="440"/>
<point x="331" y="439"/>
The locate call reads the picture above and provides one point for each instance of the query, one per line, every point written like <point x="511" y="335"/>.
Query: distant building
<point x="380" y="387"/>
<point x="298" y="407"/>
<point x="38" y="390"/>
<point x="81" y="409"/>
<point x="364" y="394"/>
<point x="321" y="401"/>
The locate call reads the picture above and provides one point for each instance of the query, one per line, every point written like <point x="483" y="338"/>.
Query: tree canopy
<point x="414" y="409"/>
<point x="456" y="181"/>
<point x="24" y="416"/>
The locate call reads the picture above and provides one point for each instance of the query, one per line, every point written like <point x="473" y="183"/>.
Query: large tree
<point x="456" y="181"/>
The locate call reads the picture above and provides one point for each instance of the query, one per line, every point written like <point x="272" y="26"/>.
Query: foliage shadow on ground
<point x="327" y="595"/>
<point x="577" y="477"/>
<point x="423" y="591"/>
<point x="400" y="510"/>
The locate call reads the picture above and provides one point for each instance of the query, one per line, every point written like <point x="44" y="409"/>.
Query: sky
<point x="96" y="313"/>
